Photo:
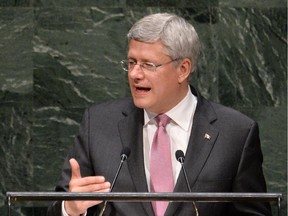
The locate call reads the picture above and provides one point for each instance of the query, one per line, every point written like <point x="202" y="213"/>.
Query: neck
<point x="181" y="95"/>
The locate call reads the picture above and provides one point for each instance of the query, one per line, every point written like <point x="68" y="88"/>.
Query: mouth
<point x="143" y="89"/>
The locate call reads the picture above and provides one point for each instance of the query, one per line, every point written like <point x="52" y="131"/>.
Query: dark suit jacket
<point x="230" y="161"/>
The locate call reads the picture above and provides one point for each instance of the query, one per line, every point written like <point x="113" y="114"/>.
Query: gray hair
<point x="177" y="35"/>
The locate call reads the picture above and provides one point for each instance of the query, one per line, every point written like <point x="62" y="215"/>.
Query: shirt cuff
<point x="64" y="213"/>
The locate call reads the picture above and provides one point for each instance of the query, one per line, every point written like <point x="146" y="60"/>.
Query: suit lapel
<point x="201" y="142"/>
<point x="202" y="139"/>
<point x="131" y="133"/>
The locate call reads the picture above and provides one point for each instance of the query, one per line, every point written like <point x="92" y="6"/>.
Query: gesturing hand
<point x="85" y="184"/>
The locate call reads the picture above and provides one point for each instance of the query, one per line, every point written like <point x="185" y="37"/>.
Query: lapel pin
<point x="207" y="136"/>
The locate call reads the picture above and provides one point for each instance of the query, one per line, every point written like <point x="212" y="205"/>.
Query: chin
<point x="140" y="103"/>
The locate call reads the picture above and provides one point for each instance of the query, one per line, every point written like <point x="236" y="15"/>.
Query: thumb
<point x="75" y="169"/>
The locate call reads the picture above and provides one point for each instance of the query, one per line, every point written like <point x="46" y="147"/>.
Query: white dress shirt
<point x="178" y="130"/>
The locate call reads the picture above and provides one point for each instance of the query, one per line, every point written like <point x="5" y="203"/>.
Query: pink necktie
<point x="161" y="176"/>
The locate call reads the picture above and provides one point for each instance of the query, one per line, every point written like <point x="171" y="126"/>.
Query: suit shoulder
<point x="113" y="109"/>
<point x="219" y="113"/>
<point x="229" y="114"/>
<point x="123" y="103"/>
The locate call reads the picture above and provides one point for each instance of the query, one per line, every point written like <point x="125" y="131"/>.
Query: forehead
<point x="146" y="50"/>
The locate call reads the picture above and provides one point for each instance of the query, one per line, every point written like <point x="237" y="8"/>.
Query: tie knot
<point x="162" y="120"/>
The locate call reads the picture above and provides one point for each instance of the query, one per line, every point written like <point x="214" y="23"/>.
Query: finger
<point x="81" y="206"/>
<point x="104" y="190"/>
<point x="91" y="188"/>
<point x="75" y="169"/>
<point x="91" y="180"/>
<point x="91" y="203"/>
<point x="96" y="202"/>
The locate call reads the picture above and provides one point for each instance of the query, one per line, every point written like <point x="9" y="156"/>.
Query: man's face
<point x="157" y="91"/>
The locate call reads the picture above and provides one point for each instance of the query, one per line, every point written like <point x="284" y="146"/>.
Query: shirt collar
<point x="187" y="105"/>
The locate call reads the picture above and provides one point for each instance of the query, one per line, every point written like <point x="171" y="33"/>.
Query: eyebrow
<point x="142" y="61"/>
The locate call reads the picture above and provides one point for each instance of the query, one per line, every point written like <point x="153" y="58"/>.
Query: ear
<point x="184" y="70"/>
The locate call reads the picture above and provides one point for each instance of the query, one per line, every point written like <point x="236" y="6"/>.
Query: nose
<point x="136" y="72"/>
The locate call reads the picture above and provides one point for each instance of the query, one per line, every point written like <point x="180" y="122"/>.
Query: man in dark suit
<point x="221" y="145"/>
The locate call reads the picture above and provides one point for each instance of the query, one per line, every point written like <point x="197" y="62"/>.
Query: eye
<point x="149" y="66"/>
<point x="131" y="62"/>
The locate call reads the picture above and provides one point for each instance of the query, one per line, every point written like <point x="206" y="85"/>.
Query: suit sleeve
<point x="250" y="177"/>
<point x="80" y="152"/>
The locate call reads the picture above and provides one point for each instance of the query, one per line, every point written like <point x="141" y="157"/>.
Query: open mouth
<point x="143" y="89"/>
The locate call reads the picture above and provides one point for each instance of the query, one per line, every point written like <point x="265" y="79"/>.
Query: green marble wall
<point x="57" y="57"/>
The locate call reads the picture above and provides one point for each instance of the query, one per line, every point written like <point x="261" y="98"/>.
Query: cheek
<point x="128" y="77"/>
<point x="164" y="89"/>
<point x="164" y="83"/>
<point x="169" y="82"/>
